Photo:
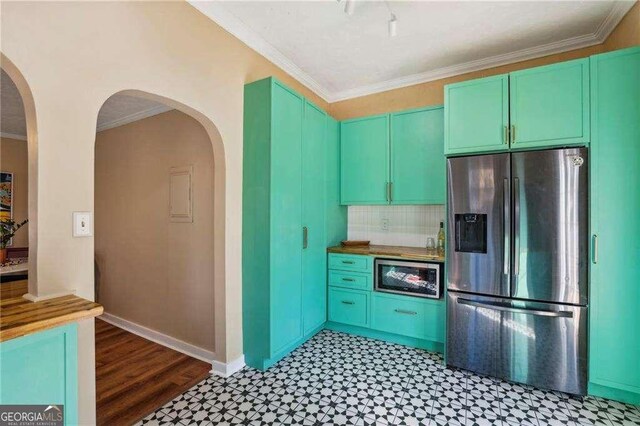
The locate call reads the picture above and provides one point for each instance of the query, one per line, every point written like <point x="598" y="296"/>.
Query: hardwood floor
<point x="135" y="376"/>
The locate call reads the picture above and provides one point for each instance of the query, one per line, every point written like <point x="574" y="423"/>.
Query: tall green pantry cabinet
<point x="285" y="220"/>
<point x="615" y="225"/>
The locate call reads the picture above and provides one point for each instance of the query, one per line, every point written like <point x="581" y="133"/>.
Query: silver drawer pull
<point x="348" y="279"/>
<point x="405" y="312"/>
<point x="348" y="262"/>
<point x="348" y="302"/>
<point x="498" y="306"/>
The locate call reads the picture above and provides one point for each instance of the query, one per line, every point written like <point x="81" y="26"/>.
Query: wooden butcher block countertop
<point x="409" y="253"/>
<point x="19" y="316"/>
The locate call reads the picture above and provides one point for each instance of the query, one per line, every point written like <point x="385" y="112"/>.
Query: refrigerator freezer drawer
<point x="540" y="344"/>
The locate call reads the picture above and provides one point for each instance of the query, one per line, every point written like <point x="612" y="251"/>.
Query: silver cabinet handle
<point x="513" y="133"/>
<point x="347" y="262"/>
<point x="497" y="306"/>
<point x="391" y="192"/>
<point x="405" y="312"/>
<point x="305" y="237"/>
<point x="506" y="223"/>
<point x="506" y="135"/>
<point x="386" y="190"/>
<point x="348" y="302"/>
<point x="516" y="226"/>
<point x="348" y="279"/>
<point x="594" y="249"/>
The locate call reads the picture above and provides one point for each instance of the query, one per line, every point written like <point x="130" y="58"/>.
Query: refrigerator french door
<point x="517" y="267"/>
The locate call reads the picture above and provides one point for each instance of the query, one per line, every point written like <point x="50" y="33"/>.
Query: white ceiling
<point x="340" y="56"/>
<point x="118" y="110"/>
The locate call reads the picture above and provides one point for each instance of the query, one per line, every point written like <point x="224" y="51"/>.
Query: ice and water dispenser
<point x="471" y="233"/>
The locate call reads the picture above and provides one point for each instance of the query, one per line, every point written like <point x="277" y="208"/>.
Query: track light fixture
<point x="393" y="26"/>
<point x="349" y="6"/>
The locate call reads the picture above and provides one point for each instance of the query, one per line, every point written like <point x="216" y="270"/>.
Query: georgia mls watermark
<point x="31" y="415"/>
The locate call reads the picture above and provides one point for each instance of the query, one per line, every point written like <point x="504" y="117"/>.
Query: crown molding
<point x="134" y="117"/>
<point x="13" y="136"/>
<point x="218" y="13"/>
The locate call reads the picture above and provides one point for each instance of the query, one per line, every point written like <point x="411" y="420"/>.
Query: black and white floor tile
<point x="340" y="379"/>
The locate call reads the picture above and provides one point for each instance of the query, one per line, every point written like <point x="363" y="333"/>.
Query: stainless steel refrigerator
<point x="517" y="267"/>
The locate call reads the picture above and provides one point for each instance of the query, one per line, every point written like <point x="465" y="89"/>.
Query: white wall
<point x="408" y="225"/>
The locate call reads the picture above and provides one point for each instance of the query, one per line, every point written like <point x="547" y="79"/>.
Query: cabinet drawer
<point x="346" y="279"/>
<point x="408" y="316"/>
<point x="349" y="306"/>
<point x="350" y="262"/>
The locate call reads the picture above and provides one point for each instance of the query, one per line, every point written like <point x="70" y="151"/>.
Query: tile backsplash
<point x="407" y="225"/>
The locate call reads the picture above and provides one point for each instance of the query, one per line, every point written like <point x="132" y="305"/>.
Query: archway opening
<point x="156" y="253"/>
<point x="18" y="183"/>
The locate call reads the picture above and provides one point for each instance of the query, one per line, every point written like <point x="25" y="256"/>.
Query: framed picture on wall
<point x="6" y="195"/>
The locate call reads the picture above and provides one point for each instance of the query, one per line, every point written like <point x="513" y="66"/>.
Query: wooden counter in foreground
<point x="410" y="253"/>
<point x="19" y="316"/>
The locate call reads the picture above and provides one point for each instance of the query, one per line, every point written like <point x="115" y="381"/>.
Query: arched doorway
<point x="18" y="180"/>
<point x="156" y="240"/>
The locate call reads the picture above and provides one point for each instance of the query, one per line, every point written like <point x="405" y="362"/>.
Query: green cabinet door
<point x="286" y="218"/>
<point x="364" y="168"/>
<point x="42" y="368"/>
<point x="336" y="216"/>
<point x="476" y="115"/>
<point x="417" y="157"/>
<point x="314" y="253"/>
<point x="550" y="105"/>
<point x="614" y="354"/>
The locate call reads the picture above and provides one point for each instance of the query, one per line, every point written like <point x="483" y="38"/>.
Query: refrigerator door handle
<point x="506" y="226"/>
<point x="516" y="229"/>
<point x="497" y="306"/>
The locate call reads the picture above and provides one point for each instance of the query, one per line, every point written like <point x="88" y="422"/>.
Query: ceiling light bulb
<point x="393" y="26"/>
<point x="349" y="6"/>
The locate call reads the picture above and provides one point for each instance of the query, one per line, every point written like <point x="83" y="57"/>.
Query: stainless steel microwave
<point x="413" y="278"/>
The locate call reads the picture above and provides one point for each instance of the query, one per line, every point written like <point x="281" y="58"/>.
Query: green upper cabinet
<point x="476" y="115"/>
<point x="614" y="293"/>
<point x="534" y="108"/>
<point x="417" y="157"/>
<point x="364" y="160"/>
<point x="394" y="158"/>
<point x="550" y="105"/>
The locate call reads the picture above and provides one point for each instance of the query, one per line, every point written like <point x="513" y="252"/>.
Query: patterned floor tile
<point x="340" y="379"/>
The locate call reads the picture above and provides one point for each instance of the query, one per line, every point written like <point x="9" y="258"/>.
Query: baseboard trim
<point x="217" y="367"/>
<point x="229" y="368"/>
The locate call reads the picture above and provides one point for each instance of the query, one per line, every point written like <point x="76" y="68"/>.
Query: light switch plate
<point x="82" y="224"/>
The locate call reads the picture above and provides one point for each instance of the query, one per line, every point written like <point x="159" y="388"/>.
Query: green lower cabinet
<point x="354" y="307"/>
<point x="614" y="319"/>
<point x="350" y="262"/>
<point x="352" y="280"/>
<point x="410" y="316"/>
<point x="42" y="368"/>
<point x="349" y="306"/>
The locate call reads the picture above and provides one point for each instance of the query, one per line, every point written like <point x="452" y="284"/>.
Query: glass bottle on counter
<point x="441" y="240"/>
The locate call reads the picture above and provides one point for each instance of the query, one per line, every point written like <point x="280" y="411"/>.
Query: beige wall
<point x="67" y="58"/>
<point x="13" y="159"/>
<point x="626" y="34"/>
<point x="152" y="271"/>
